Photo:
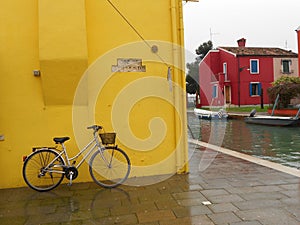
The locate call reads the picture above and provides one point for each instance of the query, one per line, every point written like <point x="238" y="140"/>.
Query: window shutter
<point x="250" y="88"/>
<point x="254" y="66"/>
<point x="259" y="89"/>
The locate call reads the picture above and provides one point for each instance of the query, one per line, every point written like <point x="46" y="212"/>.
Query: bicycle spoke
<point x="110" y="167"/>
<point x="37" y="176"/>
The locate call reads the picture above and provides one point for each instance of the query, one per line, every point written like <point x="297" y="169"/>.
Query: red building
<point x="241" y="75"/>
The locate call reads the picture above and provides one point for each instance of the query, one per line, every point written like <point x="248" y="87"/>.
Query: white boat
<point x="273" y="120"/>
<point x="207" y="114"/>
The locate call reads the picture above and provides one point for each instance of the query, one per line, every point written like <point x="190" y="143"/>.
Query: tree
<point x="192" y="78"/>
<point x="203" y="49"/>
<point x="287" y="88"/>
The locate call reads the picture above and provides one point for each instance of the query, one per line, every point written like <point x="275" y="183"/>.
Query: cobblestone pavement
<point x="228" y="191"/>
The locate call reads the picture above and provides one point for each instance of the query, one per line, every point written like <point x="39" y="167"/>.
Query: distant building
<point x="241" y="75"/>
<point x="298" y="38"/>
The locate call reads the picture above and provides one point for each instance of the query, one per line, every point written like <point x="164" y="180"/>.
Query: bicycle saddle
<point x="60" y="140"/>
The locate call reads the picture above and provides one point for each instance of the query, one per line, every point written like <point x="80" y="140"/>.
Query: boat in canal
<point x="211" y="115"/>
<point x="273" y="120"/>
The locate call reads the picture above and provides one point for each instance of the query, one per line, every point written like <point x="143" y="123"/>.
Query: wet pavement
<point x="226" y="190"/>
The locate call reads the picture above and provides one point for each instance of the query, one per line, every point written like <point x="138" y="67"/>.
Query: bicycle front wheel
<point x="43" y="170"/>
<point x="109" y="167"/>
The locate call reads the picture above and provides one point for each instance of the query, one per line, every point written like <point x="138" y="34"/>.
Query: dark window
<point x="286" y="66"/>
<point x="255" y="89"/>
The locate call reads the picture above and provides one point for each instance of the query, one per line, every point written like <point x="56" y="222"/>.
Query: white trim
<point x="225" y="71"/>
<point x="289" y="63"/>
<point x="251" y="83"/>
<point x="257" y="66"/>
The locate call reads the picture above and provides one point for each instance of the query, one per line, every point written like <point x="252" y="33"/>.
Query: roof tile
<point x="254" y="51"/>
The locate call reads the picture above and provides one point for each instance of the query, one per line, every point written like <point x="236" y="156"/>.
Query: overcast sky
<point x="264" y="23"/>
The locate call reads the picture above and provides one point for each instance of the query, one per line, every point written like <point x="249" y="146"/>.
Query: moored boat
<point x="207" y="114"/>
<point x="273" y="120"/>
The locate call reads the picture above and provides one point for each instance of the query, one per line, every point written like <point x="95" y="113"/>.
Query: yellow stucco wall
<point x="76" y="44"/>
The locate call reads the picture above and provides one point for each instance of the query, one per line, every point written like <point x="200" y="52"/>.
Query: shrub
<point x="287" y="88"/>
<point x="285" y="80"/>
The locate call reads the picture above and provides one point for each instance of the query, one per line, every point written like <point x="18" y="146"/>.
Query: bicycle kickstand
<point x="71" y="177"/>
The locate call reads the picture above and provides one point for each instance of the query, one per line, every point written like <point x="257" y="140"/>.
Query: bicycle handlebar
<point x="95" y="127"/>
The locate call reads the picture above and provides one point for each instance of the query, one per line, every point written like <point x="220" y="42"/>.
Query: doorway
<point x="227" y="94"/>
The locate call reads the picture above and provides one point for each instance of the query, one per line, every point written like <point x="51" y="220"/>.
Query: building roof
<point x="254" y="51"/>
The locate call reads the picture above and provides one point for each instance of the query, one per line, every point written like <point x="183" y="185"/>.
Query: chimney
<point x="242" y="43"/>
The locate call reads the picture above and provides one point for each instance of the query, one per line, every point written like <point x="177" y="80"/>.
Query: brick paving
<point x="229" y="191"/>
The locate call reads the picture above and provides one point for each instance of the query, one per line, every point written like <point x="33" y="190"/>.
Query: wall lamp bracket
<point x="244" y="67"/>
<point x="36" y="73"/>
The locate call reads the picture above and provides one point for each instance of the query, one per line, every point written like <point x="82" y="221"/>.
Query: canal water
<point x="276" y="144"/>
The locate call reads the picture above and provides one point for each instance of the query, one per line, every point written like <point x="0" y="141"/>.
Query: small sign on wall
<point x="128" y="65"/>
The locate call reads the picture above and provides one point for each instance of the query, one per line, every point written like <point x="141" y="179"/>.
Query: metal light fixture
<point x="36" y="73"/>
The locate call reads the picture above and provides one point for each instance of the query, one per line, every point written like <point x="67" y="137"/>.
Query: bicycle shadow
<point x="108" y="203"/>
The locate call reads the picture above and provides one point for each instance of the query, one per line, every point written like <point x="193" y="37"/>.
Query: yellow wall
<point x="75" y="44"/>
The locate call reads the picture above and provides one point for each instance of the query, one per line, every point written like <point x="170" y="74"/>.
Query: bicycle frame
<point x="72" y="159"/>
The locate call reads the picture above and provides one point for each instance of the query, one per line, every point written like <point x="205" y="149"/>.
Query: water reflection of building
<point x="236" y="135"/>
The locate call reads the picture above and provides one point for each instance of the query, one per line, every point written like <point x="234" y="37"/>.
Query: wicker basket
<point x="108" y="138"/>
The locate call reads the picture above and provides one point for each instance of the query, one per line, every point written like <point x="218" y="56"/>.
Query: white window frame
<point x="225" y="70"/>
<point x="289" y="66"/>
<point x="251" y="69"/>
<point x="259" y="87"/>
<point x="215" y="91"/>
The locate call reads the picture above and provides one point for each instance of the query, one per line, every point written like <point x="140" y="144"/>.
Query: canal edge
<point x="249" y="158"/>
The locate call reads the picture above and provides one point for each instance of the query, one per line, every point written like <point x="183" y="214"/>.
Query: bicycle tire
<point x="112" y="173"/>
<point x="32" y="170"/>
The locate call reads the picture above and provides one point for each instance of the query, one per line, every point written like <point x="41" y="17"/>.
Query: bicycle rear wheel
<point x="110" y="167"/>
<point x="39" y="178"/>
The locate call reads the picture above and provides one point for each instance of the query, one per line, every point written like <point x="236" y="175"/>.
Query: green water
<point x="276" y="144"/>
